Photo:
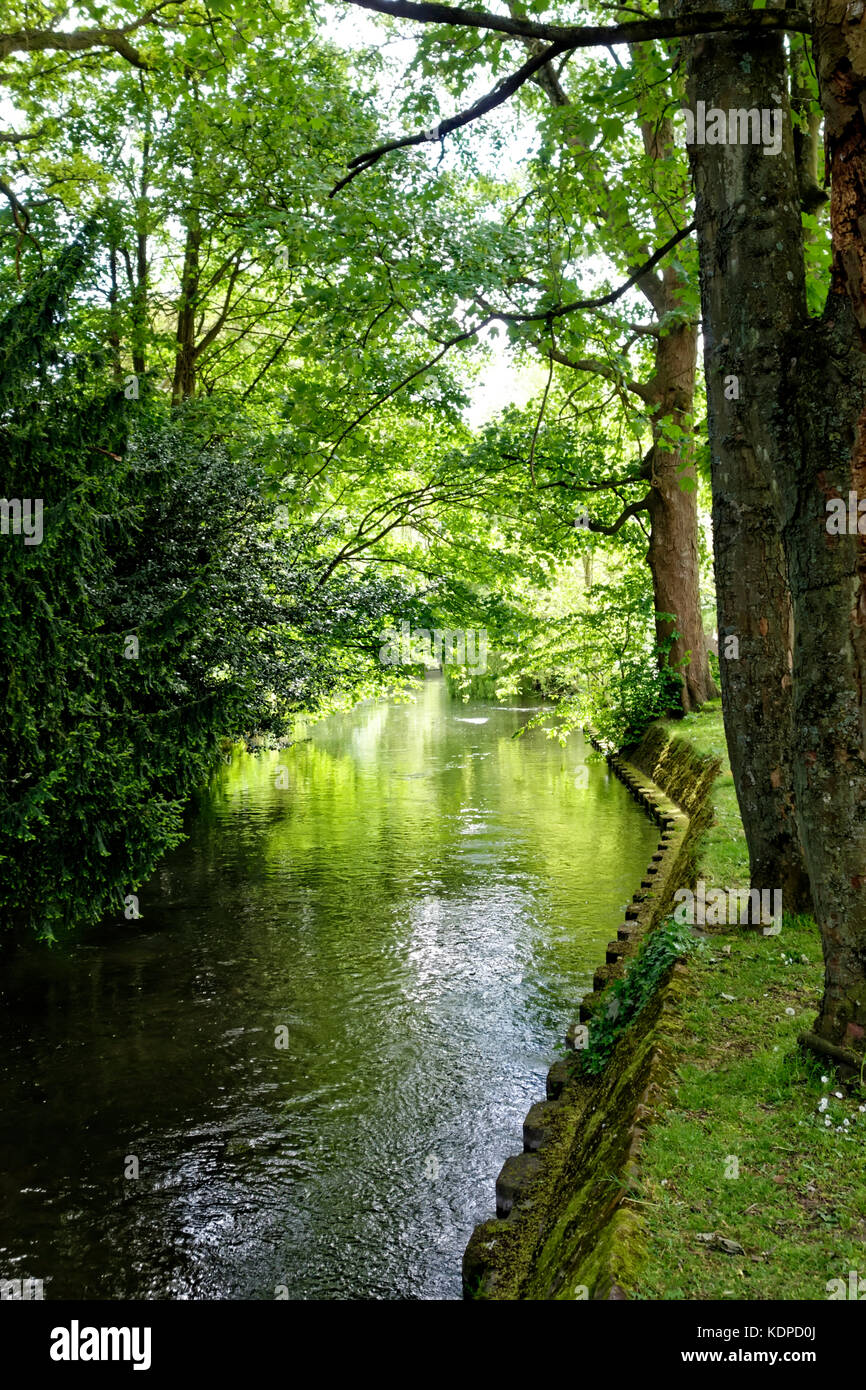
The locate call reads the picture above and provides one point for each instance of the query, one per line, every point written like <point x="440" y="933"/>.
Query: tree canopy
<point x="260" y="266"/>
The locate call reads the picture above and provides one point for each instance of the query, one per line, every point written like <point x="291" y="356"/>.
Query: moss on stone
<point x="573" y="1227"/>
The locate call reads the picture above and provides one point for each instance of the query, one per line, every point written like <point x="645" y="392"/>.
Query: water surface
<point x="413" y="903"/>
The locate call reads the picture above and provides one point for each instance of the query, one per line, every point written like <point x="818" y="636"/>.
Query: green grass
<point x="724" y="854"/>
<point x="744" y="1091"/>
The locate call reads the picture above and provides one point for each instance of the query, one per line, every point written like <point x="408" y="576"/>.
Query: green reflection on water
<point x="414" y="901"/>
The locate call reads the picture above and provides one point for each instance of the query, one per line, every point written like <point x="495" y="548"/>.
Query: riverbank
<point x="564" y="1229"/>
<point x="711" y="1158"/>
<point x="742" y="1148"/>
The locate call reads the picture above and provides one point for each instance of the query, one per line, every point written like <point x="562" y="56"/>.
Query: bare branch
<point x="652" y="330"/>
<point x="500" y="93"/>
<point x="11" y="137"/>
<point x="80" y="40"/>
<point x="603" y="485"/>
<point x="588" y="36"/>
<point x="559" y="311"/>
<point x="603" y="369"/>
<point x="634" y="510"/>
<point x="539" y="420"/>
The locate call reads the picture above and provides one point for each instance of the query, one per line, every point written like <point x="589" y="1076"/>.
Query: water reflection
<point x="412" y="901"/>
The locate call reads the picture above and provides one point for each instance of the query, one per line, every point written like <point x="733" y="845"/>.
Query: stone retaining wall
<point x="564" y="1229"/>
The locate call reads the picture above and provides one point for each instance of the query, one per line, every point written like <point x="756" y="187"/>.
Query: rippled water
<point x="414" y="902"/>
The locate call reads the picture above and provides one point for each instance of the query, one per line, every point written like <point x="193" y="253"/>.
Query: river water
<point x="318" y="1044"/>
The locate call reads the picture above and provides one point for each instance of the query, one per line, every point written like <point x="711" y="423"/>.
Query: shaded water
<point x="414" y="905"/>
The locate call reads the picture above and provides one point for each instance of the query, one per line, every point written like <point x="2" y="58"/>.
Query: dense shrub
<point x="162" y="610"/>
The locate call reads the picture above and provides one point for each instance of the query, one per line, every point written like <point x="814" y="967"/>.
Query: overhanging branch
<point x="81" y="40"/>
<point x="76" y="41"/>
<point x="590" y="36"/>
<point x="560" y="39"/>
<point x="500" y="93"/>
<point x="544" y="315"/>
<point x="633" y="510"/>
<point x="560" y="310"/>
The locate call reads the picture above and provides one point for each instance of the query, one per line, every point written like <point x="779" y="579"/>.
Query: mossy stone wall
<point x="565" y="1229"/>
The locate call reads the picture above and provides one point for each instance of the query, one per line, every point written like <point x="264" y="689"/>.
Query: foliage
<point x="625" y="999"/>
<point x="298" y="470"/>
<point x="162" y="609"/>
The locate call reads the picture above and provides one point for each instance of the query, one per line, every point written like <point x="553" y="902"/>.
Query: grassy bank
<point x="743" y="1150"/>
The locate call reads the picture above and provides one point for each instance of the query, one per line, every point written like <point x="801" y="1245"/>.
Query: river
<point x="318" y="1044"/>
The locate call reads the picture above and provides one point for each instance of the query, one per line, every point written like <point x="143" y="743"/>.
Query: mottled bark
<point x="752" y="290"/>
<point x="807" y="436"/>
<point x="828" y="572"/>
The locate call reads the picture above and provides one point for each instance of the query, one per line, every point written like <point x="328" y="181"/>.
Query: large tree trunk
<point x="752" y="290"/>
<point x="828" y="571"/>
<point x="673" y="509"/>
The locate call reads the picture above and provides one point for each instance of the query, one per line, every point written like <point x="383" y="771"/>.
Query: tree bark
<point x="672" y="556"/>
<point x="185" y="355"/>
<point x="827" y="459"/>
<point x="752" y="289"/>
<point x="673" y="548"/>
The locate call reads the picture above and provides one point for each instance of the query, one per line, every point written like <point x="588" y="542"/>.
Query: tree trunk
<point x="827" y="459"/>
<point x="673" y="511"/>
<point x="752" y="290"/>
<point x="113" y="315"/>
<point x="673" y="550"/>
<point x="184" y="365"/>
<point x="140" y="292"/>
